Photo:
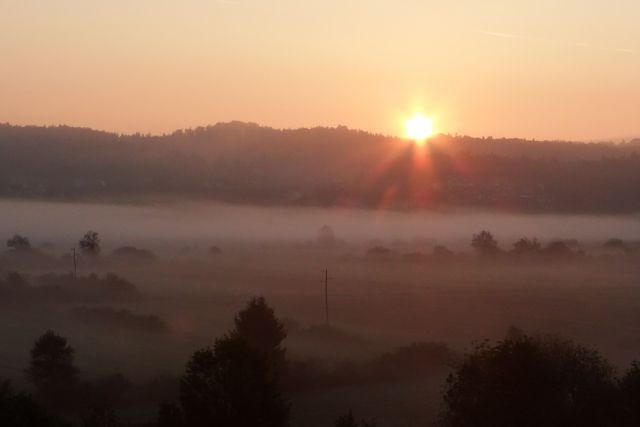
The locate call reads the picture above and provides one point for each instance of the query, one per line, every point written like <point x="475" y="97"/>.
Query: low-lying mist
<point x="408" y="293"/>
<point x="195" y="223"/>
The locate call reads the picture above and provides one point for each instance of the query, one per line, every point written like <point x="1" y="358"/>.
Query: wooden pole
<point x="326" y="296"/>
<point x="75" y="264"/>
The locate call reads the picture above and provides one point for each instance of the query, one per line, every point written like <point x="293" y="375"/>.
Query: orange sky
<point x="565" y="69"/>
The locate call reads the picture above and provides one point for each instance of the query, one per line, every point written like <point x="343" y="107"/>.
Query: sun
<point x="419" y="127"/>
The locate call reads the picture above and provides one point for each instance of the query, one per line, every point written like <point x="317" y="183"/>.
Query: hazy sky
<point x="544" y="69"/>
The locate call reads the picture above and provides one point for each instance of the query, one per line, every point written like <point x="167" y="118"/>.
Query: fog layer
<point x="188" y="221"/>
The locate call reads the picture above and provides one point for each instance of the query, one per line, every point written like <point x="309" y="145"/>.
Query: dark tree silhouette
<point x="526" y="246"/>
<point x="484" y="243"/>
<point x="348" y="420"/>
<point x="52" y="370"/>
<point x="531" y="382"/>
<point x="617" y="245"/>
<point x="630" y="388"/>
<point x="170" y="415"/>
<point x="21" y="410"/>
<point x="230" y="386"/>
<point x="614" y="243"/>
<point x="19" y="243"/>
<point x="90" y="243"/>
<point x="263" y="331"/>
<point x="99" y="398"/>
<point x="99" y="417"/>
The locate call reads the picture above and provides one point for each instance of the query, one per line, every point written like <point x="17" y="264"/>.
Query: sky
<point x="544" y="69"/>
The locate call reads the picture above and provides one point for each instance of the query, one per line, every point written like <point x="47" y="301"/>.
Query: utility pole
<point x="75" y="264"/>
<point x="326" y="296"/>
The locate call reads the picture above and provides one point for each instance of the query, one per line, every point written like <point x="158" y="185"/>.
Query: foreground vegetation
<point x="244" y="377"/>
<point x="247" y="376"/>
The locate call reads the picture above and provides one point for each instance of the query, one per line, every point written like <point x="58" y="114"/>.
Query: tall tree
<point x="90" y="243"/>
<point x="258" y="325"/>
<point x="484" y="243"/>
<point x="51" y="369"/>
<point x="230" y="386"/>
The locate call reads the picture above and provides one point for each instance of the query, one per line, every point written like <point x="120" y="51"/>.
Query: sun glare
<point x="419" y="128"/>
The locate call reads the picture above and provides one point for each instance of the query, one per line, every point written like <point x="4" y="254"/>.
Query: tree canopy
<point x="19" y="243"/>
<point x="229" y="385"/>
<point x="527" y="381"/>
<point x="262" y="330"/>
<point x="484" y="243"/>
<point x="90" y="243"/>
<point x="52" y="369"/>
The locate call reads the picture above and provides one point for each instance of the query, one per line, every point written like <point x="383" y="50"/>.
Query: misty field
<point x="185" y="272"/>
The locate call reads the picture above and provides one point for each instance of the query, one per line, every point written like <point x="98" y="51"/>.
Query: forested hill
<point x="247" y="163"/>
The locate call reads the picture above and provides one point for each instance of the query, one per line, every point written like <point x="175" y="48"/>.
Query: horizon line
<point x="335" y="127"/>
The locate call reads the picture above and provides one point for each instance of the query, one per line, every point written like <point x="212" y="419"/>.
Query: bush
<point x="22" y="410"/>
<point x="19" y="243"/>
<point x="529" y="381"/>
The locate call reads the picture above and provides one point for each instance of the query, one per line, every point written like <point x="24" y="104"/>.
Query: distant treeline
<point x="246" y="163"/>
<point x="65" y="288"/>
<point x="486" y="248"/>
